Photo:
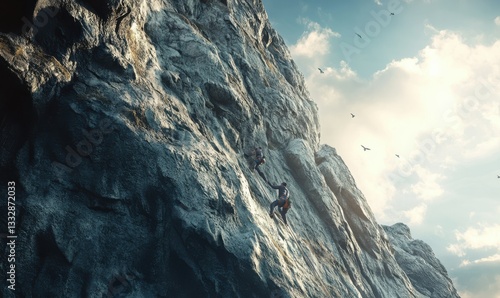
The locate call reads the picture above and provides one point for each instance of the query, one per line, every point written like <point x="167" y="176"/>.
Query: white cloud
<point x="476" y="238"/>
<point x="456" y="249"/>
<point x="431" y="28"/>
<point x="483" y="236"/>
<point x="489" y="259"/>
<point x="484" y="147"/>
<point x="314" y="41"/>
<point x="416" y="215"/>
<point x="428" y="187"/>
<point x="497" y="21"/>
<point x="343" y="73"/>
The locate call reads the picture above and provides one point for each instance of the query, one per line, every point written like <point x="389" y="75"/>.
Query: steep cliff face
<point x="427" y="274"/>
<point x="127" y="127"/>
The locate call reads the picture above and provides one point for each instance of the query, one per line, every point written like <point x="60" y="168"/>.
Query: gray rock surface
<point x="127" y="126"/>
<point x="416" y="258"/>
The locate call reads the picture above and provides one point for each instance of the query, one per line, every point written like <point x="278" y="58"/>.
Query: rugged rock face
<point x="126" y="128"/>
<point x="427" y="274"/>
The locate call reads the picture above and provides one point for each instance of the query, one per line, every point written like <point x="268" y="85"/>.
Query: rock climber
<point x="259" y="158"/>
<point x="282" y="202"/>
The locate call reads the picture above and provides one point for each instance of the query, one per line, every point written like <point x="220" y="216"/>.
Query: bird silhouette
<point x="397" y="156"/>
<point x="392" y="13"/>
<point x="359" y="36"/>
<point x="352" y="115"/>
<point x="320" y="70"/>
<point x="498" y="176"/>
<point x="365" y="148"/>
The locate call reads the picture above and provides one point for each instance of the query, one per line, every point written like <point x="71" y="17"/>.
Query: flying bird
<point x="397" y="155"/>
<point x="320" y="70"/>
<point x="365" y="148"/>
<point x="392" y="13"/>
<point x="498" y="176"/>
<point x="352" y="115"/>
<point x="359" y="36"/>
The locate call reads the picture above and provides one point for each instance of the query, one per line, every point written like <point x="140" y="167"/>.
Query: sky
<point x="423" y="83"/>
